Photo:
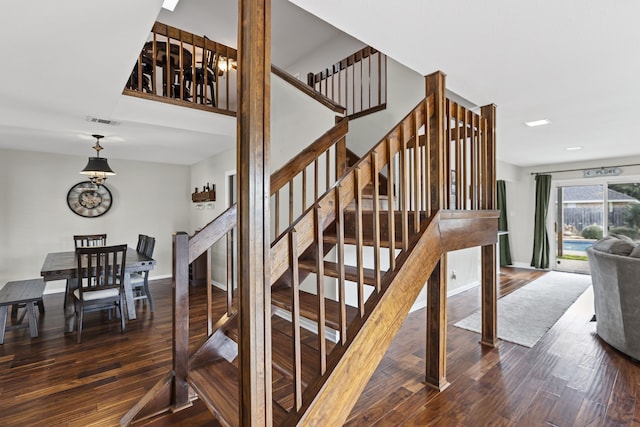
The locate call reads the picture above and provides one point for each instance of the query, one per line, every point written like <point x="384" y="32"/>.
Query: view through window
<point x="586" y="213"/>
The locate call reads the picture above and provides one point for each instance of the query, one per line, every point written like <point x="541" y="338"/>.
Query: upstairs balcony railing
<point x="196" y="72"/>
<point x="358" y="82"/>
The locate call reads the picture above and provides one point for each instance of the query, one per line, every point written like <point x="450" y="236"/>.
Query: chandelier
<point x="97" y="169"/>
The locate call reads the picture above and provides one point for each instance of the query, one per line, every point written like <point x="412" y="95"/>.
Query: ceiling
<point x="572" y="62"/>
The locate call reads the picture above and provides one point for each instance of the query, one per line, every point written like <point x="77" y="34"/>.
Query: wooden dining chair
<point x="140" y="280"/>
<point x="204" y="93"/>
<point x="142" y="241"/>
<point x="100" y="273"/>
<point x="83" y="241"/>
<point x="86" y="240"/>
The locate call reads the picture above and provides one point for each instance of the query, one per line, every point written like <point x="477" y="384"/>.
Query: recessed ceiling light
<point x="170" y="4"/>
<point x="538" y="123"/>
<point x="573" y="148"/>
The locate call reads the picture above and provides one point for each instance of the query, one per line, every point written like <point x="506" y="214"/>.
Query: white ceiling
<point x="573" y="62"/>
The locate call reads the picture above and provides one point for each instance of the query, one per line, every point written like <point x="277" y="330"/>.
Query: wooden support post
<point x="254" y="67"/>
<point x="489" y="297"/>
<point x="209" y="294"/>
<point x="436" y="356"/>
<point x="489" y="113"/>
<point x="489" y="260"/>
<point x="436" y="87"/>
<point x="180" y="321"/>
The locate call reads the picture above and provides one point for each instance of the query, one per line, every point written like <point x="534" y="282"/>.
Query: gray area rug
<point x="526" y="314"/>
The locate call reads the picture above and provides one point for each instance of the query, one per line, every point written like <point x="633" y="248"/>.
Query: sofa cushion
<point x="621" y="237"/>
<point x="612" y="245"/>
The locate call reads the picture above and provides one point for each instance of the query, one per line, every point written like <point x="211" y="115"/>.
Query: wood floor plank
<point x="566" y="409"/>
<point x="570" y="377"/>
<point x="591" y="414"/>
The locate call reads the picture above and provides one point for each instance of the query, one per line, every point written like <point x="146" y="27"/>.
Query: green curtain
<point x="505" y="250"/>
<point x="540" y="257"/>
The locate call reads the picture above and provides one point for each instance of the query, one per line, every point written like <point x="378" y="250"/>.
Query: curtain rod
<point x="584" y="169"/>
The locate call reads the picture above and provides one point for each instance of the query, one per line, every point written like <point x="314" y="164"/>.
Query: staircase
<point x="346" y="270"/>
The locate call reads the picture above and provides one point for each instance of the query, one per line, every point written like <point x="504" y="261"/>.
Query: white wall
<point x="148" y="198"/>
<point x="336" y="49"/>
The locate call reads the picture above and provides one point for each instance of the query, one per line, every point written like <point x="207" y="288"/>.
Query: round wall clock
<point x="89" y="200"/>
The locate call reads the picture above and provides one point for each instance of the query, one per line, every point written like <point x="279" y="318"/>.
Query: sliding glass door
<point x="579" y="223"/>
<point x="586" y="213"/>
<point x="623" y="209"/>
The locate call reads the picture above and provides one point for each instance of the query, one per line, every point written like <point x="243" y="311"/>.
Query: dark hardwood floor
<point x="569" y="377"/>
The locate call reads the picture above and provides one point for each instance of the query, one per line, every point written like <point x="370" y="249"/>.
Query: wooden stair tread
<point x="217" y="386"/>
<point x="331" y="270"/>
<point x="282" y="359"/>
<point x="308" y="307"/>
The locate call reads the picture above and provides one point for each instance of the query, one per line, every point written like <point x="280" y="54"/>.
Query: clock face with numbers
<point x="89" y="200"/>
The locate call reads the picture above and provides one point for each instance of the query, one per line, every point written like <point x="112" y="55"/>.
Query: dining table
<point x="177" y="59"/>
<point x="63" y="266"/>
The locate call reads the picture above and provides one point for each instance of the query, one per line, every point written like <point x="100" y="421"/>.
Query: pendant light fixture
<point x="97" y="169"/>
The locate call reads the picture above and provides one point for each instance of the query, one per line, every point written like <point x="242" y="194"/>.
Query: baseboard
<point x="219" y="285"/>
<point x="461" y="289"/>
<point x="521" y="265"/>
<point x="311" y="326"/>
<point x="423" y="303"/>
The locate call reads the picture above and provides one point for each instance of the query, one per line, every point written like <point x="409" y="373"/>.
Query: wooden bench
<point x="17" y="293"/>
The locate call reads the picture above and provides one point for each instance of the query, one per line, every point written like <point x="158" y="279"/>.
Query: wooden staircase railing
<point x="197" y="72"/>
<point x="322" y="99"/>
<point x="350" y="264"/>
<point x="359" y="82"/>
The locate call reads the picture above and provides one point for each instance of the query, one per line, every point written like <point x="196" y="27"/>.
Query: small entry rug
<point x="526" y="314"/>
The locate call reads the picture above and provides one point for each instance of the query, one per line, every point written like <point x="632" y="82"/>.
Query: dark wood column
<point x="436" y="355"/>
<point x="254" y="65"/>
<point x="180" y="321"/>
<point x="489" y="259"/>
<point x="436" y="352"/>
<point x="435" y="84"/>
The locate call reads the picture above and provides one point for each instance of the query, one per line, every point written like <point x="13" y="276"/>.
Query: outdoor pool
<point x="576" y="245"/>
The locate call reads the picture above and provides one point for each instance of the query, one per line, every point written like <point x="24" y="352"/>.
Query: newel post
<point x="254" y="313"/>
<point x="489" y="258"/>
<point x="180" y="320"/>
<point x="436" y="352"/>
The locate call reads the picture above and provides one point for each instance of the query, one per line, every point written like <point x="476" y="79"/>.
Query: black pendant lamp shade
<point x="97" y="168"/>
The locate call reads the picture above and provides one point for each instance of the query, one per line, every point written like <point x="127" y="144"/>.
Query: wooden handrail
<point x="215" y="230"/>
<point x="307" y="156"/>
<point x="307" y="90"/>
<point x="347" y="83"/>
